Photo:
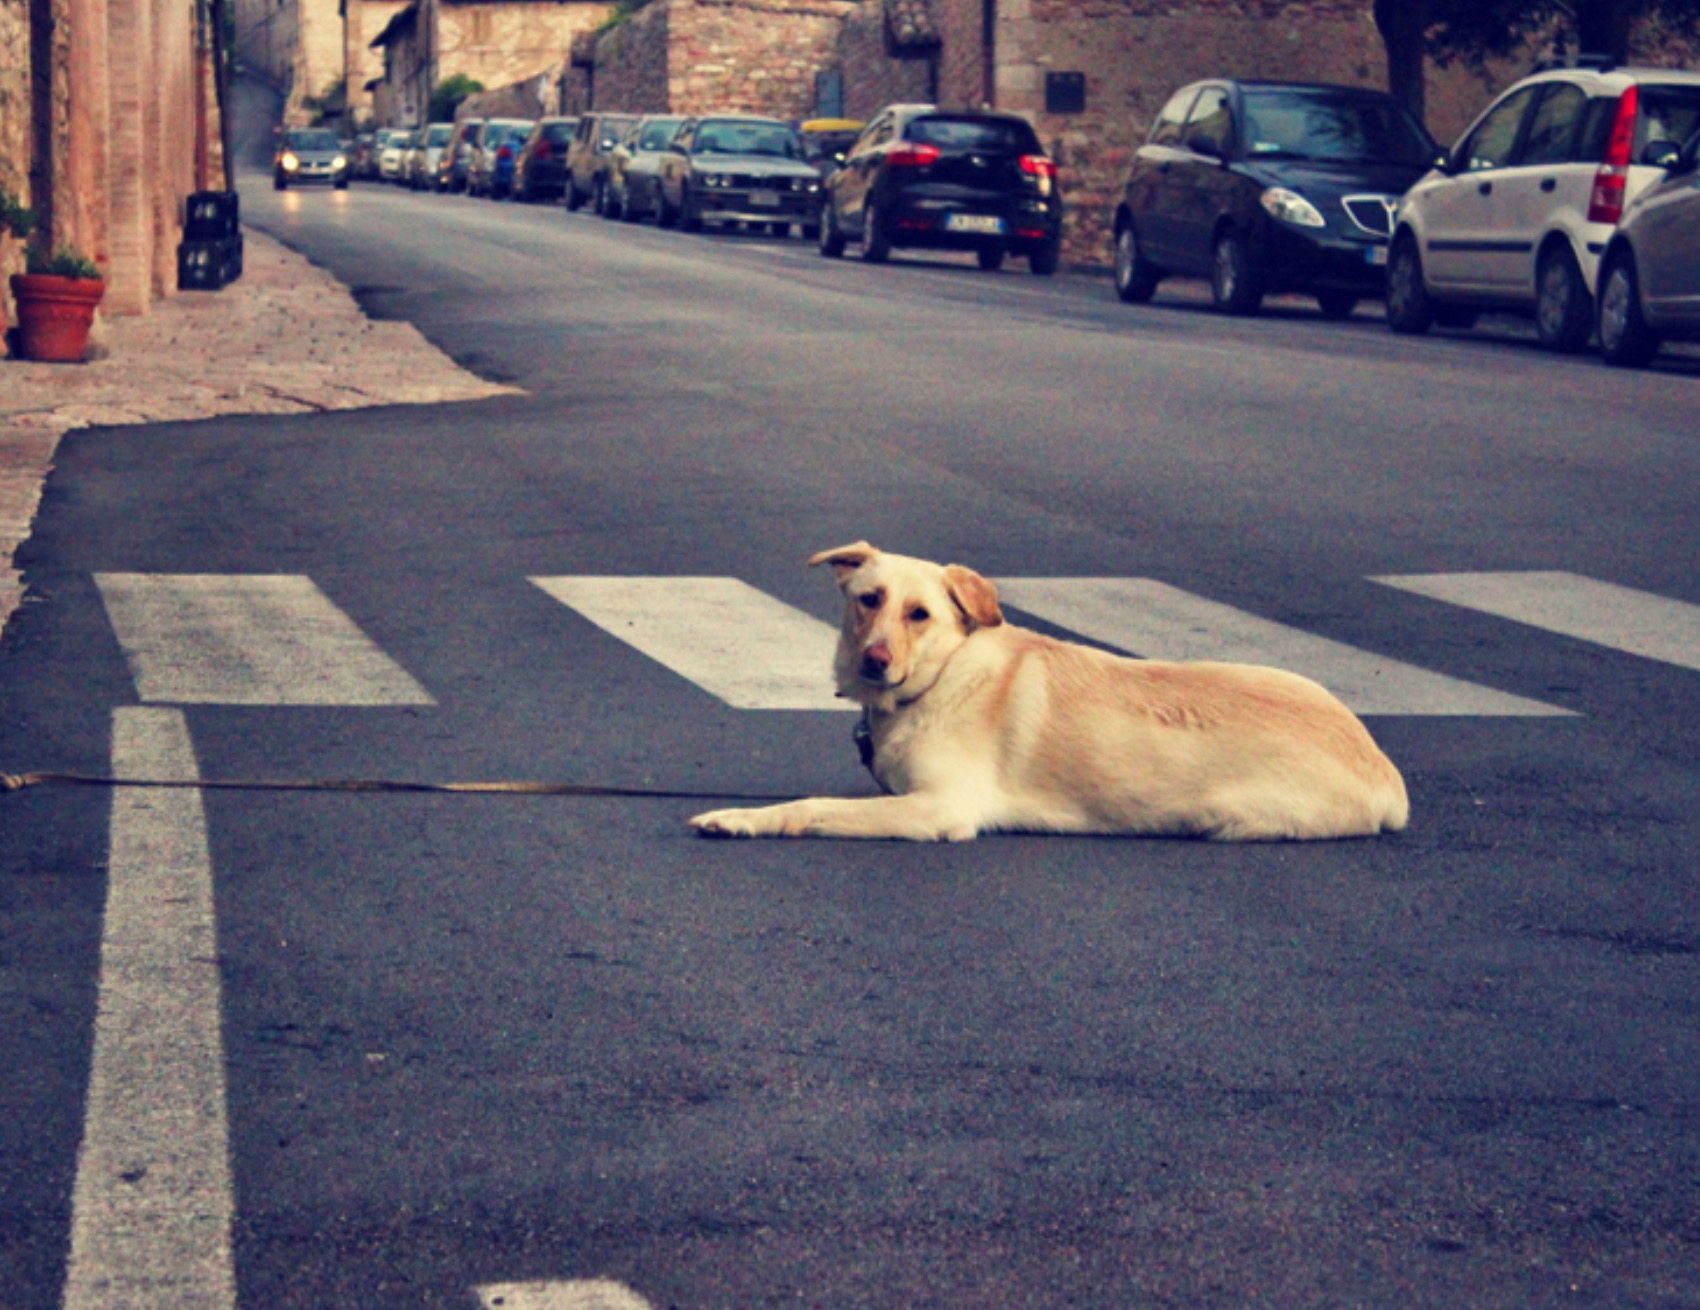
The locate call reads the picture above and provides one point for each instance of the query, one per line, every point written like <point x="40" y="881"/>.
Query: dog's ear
<point x="975" y="596"/>
<point x="845" y="560"/>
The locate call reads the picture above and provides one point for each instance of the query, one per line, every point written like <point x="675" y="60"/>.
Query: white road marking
<point x="230" y="639"/>
<point x="1573" y="606"/>
<point x="1157" y="621"/>
<point x="580" y="1294"/>
<point x="151" y="1207"/>
<point x="733" y="641"/>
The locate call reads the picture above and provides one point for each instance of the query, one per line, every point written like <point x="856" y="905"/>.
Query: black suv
<point x="922" y="177"/>
<point x="1267" y="187"/>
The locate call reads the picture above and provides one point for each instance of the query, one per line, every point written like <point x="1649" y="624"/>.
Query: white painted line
<point x="229" y="639"/>
<point x="737" y="643"/>
<point x="582" y="1294"/>
<point x="152" y="1204"/>
<point x="1573" y="606"/>
<point x="1157" y="621"/>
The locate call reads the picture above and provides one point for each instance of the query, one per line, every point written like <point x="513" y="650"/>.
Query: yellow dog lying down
<point x="978" y="725"/>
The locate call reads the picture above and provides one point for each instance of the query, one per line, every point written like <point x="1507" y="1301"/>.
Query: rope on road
<point x="10" y="782"/>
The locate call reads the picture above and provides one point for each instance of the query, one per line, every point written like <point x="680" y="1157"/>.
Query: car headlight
<point x="714" y="179"/>
<point x="338" y="164"/>
<point x="1291" y="207"/>
<point x="290" y="162"/>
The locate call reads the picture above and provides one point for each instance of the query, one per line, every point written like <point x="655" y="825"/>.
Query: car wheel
<point x="574" y="199"/>
<point x="830" y="238"/>
<point x="1409" y="309"/>
<point x="1562" y="309"/>
<point x="1336" y="304"/>
<point x="342" y="185"/>
<point x="876" y="246"/>
<point x="1136" y="279"/>
<point x="630" y="211"/>
<point x="599" y="197"/>
<point x="279" y="183"/>
<point x="1232" y="283"/>
<point x="690" y="213"/>
<point x="1044" y="261"/>
<point x="1625" y="339"/>
<point x="990" y="258"/>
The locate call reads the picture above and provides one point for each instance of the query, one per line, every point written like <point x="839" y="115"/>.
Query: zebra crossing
<point x="280" y="640"/>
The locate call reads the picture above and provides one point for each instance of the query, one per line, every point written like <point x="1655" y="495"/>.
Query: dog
<point x="977" y="725"/>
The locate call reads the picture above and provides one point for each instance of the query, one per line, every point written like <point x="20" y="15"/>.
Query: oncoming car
<point x="309" y="154"/>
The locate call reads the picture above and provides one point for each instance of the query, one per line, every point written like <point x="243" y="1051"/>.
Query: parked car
<point x="920" y="177"/>
<point x="390" y="158"/>
<point x="738" y="168"/>
<point x="1650" y="272"/>
<point x="633" y="190"/>
<point x="457" y="155"/>
<point x="826" y="141"/>
<point x="540" y="172"/>
<point x="587" y="158"/>
<point x="309" y="154"/>
<point x="422" y="162"/>
<point x="363" y="158"/>
<point x="490" y="172"/>
<point x="1268" y="188"/>
<point x="1518" y="214"/>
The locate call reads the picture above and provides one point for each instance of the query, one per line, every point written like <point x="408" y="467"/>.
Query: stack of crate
<point x="211" y="251"/>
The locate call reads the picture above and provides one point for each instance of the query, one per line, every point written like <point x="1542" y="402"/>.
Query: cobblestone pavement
<point x="286" y="338"/>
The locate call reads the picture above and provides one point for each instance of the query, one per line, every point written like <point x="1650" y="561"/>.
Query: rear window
<point x="1009" y="136"/>
<point x="1333" y="128"/>
<point x="659" y="135"/>
<point x="558" y="134"/>
<point x="1668" y="113"/>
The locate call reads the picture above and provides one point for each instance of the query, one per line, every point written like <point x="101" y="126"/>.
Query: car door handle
<point x="1549" y="184"/>
<point x="1485" y="189"/>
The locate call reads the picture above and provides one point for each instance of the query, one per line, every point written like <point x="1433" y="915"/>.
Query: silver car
<point x="1650" y="272"/>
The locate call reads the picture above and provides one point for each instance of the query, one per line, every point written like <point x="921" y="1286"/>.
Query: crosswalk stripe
<point x="247" y="639"/>
<point x="1152" y="619"/>
<point x="153" y="1200"/>
<point x="752" y="651"/>
<point x="1573" y="606"/>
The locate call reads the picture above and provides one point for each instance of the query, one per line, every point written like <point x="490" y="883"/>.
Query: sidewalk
<point x="286" y="338"/>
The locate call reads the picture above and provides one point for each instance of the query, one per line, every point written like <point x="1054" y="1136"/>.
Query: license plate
<point x="986" y="224"/>
<point x="1376" y="255"/>
<point x="765" y="199"/>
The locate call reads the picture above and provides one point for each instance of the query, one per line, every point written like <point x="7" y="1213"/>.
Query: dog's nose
<point x="875" y="661"/>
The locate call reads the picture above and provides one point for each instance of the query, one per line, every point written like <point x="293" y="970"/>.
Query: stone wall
<point x="874" y="78"/>
<point x="627" y="68"/>
<point x="750" y="56"/>
<point x="509" y="42"/>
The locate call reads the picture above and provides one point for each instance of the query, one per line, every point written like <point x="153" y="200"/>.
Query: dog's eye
<point x="869" y="600"/>
<point x="919" y="615"/>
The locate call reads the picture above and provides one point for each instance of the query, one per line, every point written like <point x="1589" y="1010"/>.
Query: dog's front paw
<point x="727" y="823"/>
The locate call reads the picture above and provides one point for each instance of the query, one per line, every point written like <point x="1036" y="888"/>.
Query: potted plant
<point x="18" y="219"/>
<point x="56" y="296"/>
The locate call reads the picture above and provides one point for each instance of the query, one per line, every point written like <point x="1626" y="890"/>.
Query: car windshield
<point x="1333" y="128"/>
<point x="439" y="135"/>
<point x="659" y="134"/>
<point x="773" y="139"/>
<point x="312" y="141"/>
<point x="988" y="135"/>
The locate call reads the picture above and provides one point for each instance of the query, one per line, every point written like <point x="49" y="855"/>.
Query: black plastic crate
<point x="212" y="216"/>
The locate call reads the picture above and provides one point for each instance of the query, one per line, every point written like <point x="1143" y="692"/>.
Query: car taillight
<point x="543" y="151"/>
<point x="1039" y="166"/>
<point x="909" y="155"/>
<point x="1605" y="205"/>
<point x="506" y="152"/>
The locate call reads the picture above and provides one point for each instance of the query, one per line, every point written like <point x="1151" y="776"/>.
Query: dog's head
<point x="903" y="620"/>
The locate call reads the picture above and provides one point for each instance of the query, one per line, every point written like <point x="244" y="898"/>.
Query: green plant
<point x="63" y="262"/>
<point x="16" y="215"/>
<point x="448" y="95"/>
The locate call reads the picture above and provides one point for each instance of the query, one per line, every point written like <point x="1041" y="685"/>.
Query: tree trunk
<point x="1401" y="23"/>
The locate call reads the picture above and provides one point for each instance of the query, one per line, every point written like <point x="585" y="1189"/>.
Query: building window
<point x="482" y="22"/>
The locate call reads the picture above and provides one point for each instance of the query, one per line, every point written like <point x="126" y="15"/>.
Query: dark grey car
<point x="310" y="154"/>
<point x="1650" y="273"/>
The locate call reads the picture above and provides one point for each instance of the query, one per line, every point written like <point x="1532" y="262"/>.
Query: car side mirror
<point x="1203" y="145"/>
<point x="1661" y="154"/>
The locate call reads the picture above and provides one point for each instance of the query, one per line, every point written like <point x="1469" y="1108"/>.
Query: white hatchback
<point x="1518" y="213"/>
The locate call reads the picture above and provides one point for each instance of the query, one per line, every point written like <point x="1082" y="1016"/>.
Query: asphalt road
<point x="473" y="1042"/>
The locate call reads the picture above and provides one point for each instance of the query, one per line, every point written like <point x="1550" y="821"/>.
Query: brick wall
<point x="750" y="56"/>
<point x="628" y="72"/>
<point x="872" y="77"/>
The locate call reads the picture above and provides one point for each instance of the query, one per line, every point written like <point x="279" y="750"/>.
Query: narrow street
<point x="422" y="1049"/>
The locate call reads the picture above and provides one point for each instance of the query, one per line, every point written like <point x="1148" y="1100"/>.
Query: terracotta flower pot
<point x="54" y="315"/>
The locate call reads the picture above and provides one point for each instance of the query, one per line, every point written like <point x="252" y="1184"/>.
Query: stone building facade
<point x="499" y="43"/>
<point x="108" y="120"/>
